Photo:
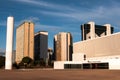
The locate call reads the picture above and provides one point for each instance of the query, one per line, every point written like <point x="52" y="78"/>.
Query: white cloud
<point x="31" y="19"/>
<point x="99" y="13"/>
<point x="58" y="14"/>
<point x="55" y="29"/>
<point x="78" y="14"/>
<point x="46" y="4"/>
<point x="42" y="27"/>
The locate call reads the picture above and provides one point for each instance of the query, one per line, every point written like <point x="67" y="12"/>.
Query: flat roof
<point x="118" y="33"/>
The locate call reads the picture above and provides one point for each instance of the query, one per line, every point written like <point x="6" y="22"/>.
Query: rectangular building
<point x="41" y="45"/>
<point x="63" y="46"/>
<point x="100" y="49"/>
<point x="101" y="53"/>
<point x="91" y="30"/>
<point x="25" y="41"/>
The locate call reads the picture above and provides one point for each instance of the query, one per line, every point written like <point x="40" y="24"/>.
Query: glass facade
<point x="72" y="66"/>
<point x="87" y="66"/>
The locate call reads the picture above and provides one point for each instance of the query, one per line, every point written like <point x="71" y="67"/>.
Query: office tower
<point x="50" y="54"/>
<point x="25" y="41"/>
<point x="63" y="46"/>
<point x="91" y="30"/>
<point x="9" y="43"/>
<point x="41" y="45"/>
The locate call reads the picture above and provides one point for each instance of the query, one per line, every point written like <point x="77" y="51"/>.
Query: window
<point x="72" y="66"/>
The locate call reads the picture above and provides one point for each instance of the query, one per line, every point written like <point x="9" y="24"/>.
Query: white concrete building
<point x="107" y="62"/>
<point x="96" y="53"/>
<point x="91" y="30"/>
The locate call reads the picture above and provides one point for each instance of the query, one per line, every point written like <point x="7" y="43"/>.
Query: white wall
<point x="78" y="57"/>
<point x="59" y="65"/>
<point x="98" y="47"/>
<point x="114" y="62"/>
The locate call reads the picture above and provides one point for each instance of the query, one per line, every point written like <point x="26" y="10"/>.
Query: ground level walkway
<point x="50" y="74"/>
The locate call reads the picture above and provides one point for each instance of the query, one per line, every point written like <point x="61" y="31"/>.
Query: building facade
<point x="102" y="46"/>
<point x="25" y="41"/>
<point x="41" y="45"/>
<point x="97" y="52"/>
<point x="63" y="46"/>
<point x="91" y="30"/>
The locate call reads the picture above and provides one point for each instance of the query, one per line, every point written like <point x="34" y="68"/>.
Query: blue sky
<point x="57" y="16"/>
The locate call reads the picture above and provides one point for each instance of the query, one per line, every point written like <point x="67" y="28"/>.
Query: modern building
<point x="41" y="45"/>
<point x="25" y="41"/>
<point x="50" y="54"/>
<point x="91" y="30"/>
<point x="95" y="53"/>
<point x="63" y="46"/>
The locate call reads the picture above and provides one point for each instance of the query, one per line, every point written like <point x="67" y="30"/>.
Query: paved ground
<point x="50" y="74"/>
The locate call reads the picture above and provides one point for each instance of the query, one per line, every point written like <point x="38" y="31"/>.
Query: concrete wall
<point x="113" y="62"/>
<point x="59" y="65"/>
<point x="102" y="46"/>
<point x="78" y="57"/>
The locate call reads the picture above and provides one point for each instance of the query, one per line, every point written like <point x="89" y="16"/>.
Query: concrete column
<point x="108" y="29"/>
<point x="9" y="43"/>
<point x="92" y="29"/>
